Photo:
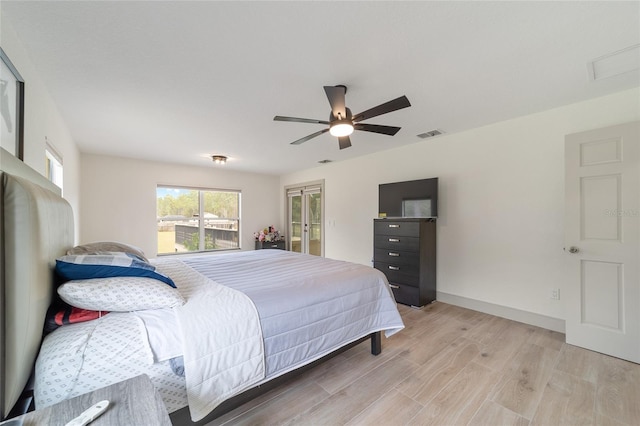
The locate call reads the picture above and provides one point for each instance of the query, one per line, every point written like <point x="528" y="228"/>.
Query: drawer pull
<point x="394" y="226"/>
<point x="394" y="254"/>
<point x="394" y="286"/>
<point x="394" y="268"/>
<point x="394" y="240"/>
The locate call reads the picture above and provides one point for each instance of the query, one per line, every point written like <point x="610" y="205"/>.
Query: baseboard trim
<point x="550" y="323"/>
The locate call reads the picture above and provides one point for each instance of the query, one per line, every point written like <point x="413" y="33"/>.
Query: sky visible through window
<point x="174" y="192"/>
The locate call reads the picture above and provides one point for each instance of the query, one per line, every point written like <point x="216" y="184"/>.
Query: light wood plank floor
<point x="454" y="366"/>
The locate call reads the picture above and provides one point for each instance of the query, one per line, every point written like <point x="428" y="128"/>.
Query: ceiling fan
<point x="342" y="123"/>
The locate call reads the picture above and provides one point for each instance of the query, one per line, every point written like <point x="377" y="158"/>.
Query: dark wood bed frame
<point x="182" y="416"/>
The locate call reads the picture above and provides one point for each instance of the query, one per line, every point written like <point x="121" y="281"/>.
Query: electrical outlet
<point x="555" y="294"/>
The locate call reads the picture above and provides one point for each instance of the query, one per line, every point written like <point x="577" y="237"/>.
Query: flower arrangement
<point x="268" y="234"/>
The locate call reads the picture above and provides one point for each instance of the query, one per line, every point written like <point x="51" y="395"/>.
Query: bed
<point x="247" y="321"/>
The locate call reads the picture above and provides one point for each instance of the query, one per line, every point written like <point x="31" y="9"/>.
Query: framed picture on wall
<point x="11" y="107"/>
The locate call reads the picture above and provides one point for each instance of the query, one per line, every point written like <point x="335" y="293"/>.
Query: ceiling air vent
<point x="616" y="63"/>
<point x="324" y="161"/>
<point x="430" y="134"/>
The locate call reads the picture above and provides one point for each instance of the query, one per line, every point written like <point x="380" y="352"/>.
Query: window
<point x="192" y="220"/>
<point x="53" y="165"/>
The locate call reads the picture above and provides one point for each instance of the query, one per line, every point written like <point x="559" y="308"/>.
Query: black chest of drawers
<point x="405" y="251"/>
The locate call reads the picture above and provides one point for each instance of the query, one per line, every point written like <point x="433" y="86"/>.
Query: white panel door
<point x="602" y="216"/>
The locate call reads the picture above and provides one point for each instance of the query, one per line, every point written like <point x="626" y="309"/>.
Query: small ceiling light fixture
<point x="341" y="127"/>
<point x="219" y="159"/>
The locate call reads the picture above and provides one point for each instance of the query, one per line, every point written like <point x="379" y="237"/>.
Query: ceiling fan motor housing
<point x="347" y="117"/>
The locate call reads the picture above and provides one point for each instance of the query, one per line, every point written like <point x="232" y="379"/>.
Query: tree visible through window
<point x="191" y="220"/>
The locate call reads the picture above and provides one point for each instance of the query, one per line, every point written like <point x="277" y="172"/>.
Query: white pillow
<point x="120" y="294"/>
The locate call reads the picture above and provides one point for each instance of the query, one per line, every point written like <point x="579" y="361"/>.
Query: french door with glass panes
<point x="304" y="211"/>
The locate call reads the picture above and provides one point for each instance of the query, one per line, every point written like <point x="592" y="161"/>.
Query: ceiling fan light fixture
<point x="219" y="159"/>
<point x="341" y="128"/>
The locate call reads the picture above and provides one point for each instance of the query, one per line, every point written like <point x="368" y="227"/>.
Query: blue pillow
<point x="89" y="266"/>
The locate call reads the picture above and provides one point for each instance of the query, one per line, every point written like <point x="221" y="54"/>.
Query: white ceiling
<point x="176" y="81"/>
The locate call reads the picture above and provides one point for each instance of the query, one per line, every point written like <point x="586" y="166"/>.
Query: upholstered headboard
<point x="36" y="226"/>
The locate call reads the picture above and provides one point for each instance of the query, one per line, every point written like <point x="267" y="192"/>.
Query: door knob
<point x="573" y="249"/>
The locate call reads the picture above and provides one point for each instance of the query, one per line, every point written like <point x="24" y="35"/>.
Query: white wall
<point x="118" y="198"/>
<point x="42" y="120"/>
<point x="501" y="202"/>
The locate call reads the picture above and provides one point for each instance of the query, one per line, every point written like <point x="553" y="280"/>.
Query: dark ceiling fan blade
<point x="394" y="105"/>
<point x="344" y="142"/>
<point x="299" y="120"/>
<point x="311" y="136"/>
<point x="376" y="128"/>
<point x="335" y="94"/>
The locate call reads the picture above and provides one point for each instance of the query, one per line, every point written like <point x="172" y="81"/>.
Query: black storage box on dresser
<point x="279" y="245"/>
<point x="405" y="251"/>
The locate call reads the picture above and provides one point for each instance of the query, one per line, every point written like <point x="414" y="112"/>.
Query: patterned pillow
<point x="120" y="294"/>
<point x="101" y="247"/>
<point x="114" y="264"/>
<point x="60" y="313"/>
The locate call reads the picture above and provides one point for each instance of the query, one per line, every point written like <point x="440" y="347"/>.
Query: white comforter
<point x="221" y="364"/>
<point x="309" y="306"/>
